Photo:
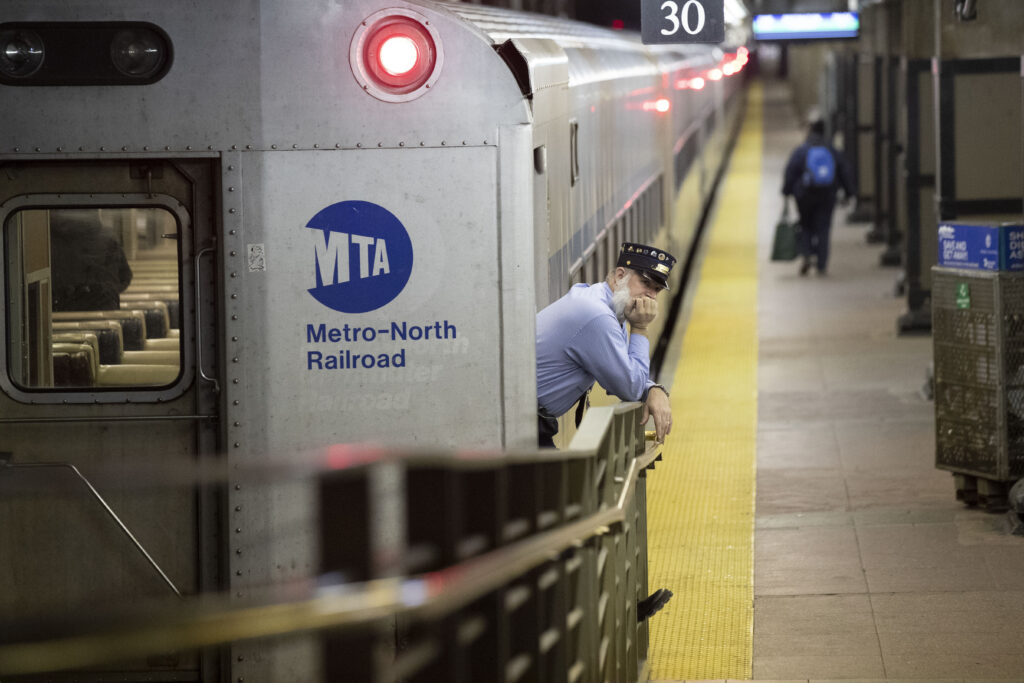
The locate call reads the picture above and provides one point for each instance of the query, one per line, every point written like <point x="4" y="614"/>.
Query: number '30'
<point x="680" y="18"/>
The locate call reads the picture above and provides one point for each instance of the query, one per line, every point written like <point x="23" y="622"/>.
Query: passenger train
<point x="340" y="219"/>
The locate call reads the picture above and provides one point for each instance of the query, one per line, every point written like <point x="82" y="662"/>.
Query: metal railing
<point x="444" y="567"/>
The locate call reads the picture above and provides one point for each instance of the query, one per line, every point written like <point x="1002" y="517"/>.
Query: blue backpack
<point x="819" y="168"/>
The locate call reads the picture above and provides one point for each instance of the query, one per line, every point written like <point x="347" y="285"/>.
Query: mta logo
<point x="362" y="256"/>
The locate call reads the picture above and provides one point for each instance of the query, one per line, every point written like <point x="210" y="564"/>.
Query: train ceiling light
<point x="83" y="53"/>
<point x="396" y="55"/>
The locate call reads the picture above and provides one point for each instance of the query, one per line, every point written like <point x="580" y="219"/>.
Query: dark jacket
<point x="791" y="181"/>
<point x="88" y="268"/>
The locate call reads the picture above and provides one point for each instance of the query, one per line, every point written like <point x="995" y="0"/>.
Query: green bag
<point x="785" y="246"/>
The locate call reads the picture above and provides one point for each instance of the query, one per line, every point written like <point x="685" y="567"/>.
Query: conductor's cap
<point x="652" y="262"/>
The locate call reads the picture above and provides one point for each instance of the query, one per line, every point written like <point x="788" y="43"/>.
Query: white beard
<point x="621" y="297"/>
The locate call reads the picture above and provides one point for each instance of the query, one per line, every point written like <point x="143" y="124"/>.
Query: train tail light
<point x="396" y="55"/>
<point x="695" y="83"/>
<point x="660" y="105"/>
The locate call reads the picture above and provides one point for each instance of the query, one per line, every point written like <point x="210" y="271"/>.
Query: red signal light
<point x="396" y="55"/>
<point x="696" y="83"/>
<point x="660" y="105"/>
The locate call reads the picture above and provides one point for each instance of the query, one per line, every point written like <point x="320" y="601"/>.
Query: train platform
<point x="798" y="516"/>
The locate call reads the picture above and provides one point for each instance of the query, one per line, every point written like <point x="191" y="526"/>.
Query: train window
<point x="92" y="298"/>
<point x="577" y="275"/>
<point x="574" y="152"/>
<point x="659" y="215"/>
<point x="641" y="218"/>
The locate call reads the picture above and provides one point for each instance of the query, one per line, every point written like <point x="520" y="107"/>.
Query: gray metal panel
<point x="447" y="201"/>
<point x="987" y="117"/>
<point x="218" y="109"/>
<point x="517" y="292"/>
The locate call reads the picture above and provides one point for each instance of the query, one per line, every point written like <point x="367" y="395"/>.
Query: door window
<point x="93" y="298"/>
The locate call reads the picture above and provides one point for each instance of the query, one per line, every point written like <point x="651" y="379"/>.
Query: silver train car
<point x="244" y="231"/>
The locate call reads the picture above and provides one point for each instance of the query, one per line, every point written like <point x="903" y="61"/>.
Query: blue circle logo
<point x="362" y="256"/>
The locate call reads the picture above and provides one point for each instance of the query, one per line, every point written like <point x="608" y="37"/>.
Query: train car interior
<point x="94" y="297"/>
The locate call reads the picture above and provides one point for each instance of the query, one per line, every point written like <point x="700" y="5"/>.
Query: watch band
<point x="653" y="386"/>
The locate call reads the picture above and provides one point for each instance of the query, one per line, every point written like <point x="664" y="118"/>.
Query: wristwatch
<point x="643" y="398"/>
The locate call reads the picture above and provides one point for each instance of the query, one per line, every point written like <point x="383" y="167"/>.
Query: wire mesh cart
<point x="978" y="340"/>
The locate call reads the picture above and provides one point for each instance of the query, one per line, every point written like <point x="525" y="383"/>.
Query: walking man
<point x="815" y="173"/>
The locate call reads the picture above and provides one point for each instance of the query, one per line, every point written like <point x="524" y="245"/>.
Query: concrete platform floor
<point x="866" y="568"/>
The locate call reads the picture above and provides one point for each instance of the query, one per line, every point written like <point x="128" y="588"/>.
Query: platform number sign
<point x="682" y="21"/>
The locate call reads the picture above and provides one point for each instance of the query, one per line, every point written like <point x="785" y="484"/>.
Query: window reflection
<point x="93" y="298"/>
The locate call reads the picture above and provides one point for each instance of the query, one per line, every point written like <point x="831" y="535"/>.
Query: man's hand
<point x="658" y="405"/>
<point x="641" y="311"/>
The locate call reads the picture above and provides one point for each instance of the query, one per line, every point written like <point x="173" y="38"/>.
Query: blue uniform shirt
<point x="579" y="339"/>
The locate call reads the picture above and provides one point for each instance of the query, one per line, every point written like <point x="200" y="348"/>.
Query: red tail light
<point x="396" y="55"/>
<point x="660" y="105"/>
<point x="695" y="83"/>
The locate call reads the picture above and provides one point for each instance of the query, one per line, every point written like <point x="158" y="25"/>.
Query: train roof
<point x="594" y="52"/>
<point x="268" y="75"/>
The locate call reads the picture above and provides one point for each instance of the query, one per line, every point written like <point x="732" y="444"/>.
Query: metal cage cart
<point x="978" y="339"/>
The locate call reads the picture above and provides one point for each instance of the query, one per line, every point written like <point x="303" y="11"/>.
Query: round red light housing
<point x="396" y="55"/>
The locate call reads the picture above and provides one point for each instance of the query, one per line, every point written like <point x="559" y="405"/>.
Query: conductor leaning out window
<point x="582" y="337"/>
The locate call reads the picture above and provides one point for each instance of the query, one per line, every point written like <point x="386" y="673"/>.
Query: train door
<point x="107" y="398"/>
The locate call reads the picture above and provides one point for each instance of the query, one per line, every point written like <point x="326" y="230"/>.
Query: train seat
<point x="137" y="375"/>
<point x="153" y="265"/>
<point x="86" y="337"/>
<point x="74" y="365"/>
<point x="152" y="286"/>
<point x="158" y="319"/>
<point x="146" y="282"/>
<point x="170" y="299"/>
<point x="108" y="337"/>
<point x="169" y="343"/>
<point x="133" y="324"/>
<point x="151" y="358"/>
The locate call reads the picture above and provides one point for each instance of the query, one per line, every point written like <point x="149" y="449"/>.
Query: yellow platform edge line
<point x="701" y="497"/>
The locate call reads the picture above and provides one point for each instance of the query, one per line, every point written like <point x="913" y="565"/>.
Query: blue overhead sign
<point x="806" y="26"/>
<point x="682" y="21"/>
